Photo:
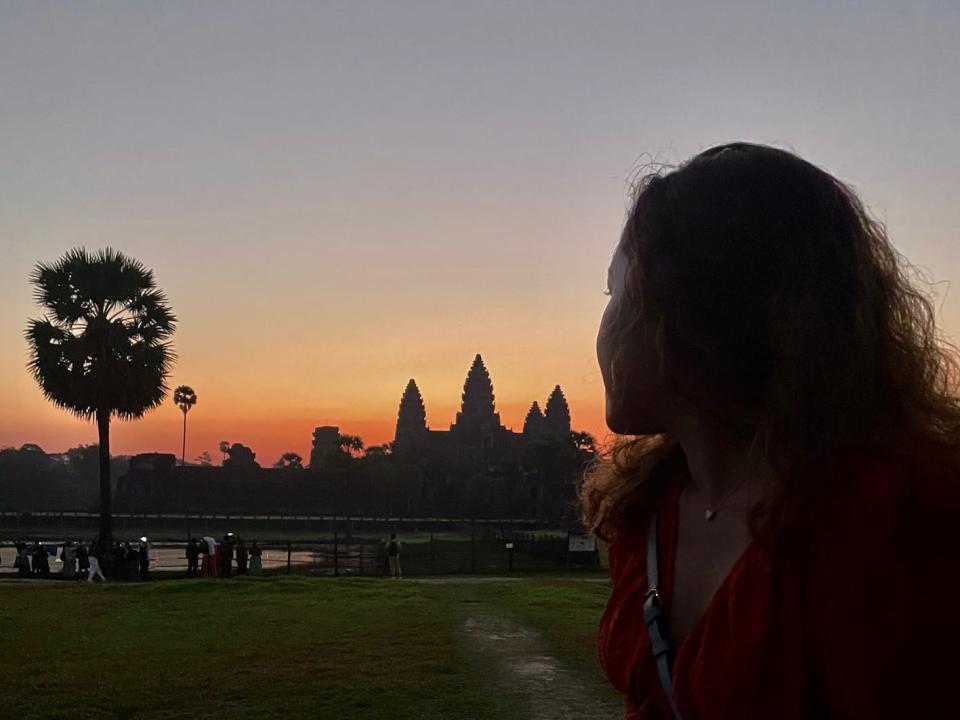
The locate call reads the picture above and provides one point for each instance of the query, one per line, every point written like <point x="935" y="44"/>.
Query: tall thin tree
<point x="185" y="398"/>
<point x="102" y="348"/>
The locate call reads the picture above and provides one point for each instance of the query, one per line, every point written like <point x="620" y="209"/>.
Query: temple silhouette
<point x="476" y="437"/>
<point x="477" y="468"/>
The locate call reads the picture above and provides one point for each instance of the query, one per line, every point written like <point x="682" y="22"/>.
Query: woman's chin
<point x="620" y="425"/>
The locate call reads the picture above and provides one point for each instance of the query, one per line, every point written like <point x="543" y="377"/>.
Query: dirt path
<point x="526" y="668"/>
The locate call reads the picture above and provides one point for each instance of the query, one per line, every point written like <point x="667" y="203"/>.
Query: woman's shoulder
<point x="881" y="592"/>
<point x="911" y="487"/>
<point x="625" y="551"/>
<point x="888" y="517"/>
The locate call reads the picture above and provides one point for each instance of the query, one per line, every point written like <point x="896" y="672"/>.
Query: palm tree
<point x="351" y="444"/>
<point x="102" y="348"/>
<point x="224" y="448"/>
<point x="185" y="398"/>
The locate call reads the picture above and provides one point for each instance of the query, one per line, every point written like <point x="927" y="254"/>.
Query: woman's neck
<point x="720" y="464"/>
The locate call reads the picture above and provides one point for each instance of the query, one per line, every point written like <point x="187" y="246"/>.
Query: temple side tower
<point x="412" y="417"/>
<point x="556" y="419"/>
<point x="326" y="441"/>
<point x="533" y="424"/>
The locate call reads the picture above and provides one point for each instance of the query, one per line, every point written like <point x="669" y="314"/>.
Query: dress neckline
<point x="668" y="535"/>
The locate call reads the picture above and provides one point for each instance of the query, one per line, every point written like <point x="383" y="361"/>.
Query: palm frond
<point x="55" y="288"/>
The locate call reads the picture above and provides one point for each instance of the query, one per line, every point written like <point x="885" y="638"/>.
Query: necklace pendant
<point x="709" y="514"/>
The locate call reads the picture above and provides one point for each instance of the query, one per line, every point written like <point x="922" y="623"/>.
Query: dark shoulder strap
<point x="660" y="642"/>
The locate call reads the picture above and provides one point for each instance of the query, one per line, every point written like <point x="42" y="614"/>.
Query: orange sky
<point x="337" y="198"/>
<point x="260" y="417"/>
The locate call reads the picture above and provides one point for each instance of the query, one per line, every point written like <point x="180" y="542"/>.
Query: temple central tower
<point x="477" y="416"/>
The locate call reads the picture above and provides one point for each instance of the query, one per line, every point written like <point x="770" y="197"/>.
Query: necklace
<point x="711" y="512"/>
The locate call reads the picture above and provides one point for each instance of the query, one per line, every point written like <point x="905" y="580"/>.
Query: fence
<point x="176" y="525"/>
<point x="433" y="554"/>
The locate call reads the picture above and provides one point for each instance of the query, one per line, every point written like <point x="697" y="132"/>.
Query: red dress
<point x="868" y="628"/>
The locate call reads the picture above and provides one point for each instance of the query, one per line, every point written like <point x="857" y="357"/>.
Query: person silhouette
<point x="83" y="560"/>
<point x="68" y="555"/>
<point x="193" y="556"/>
<point x="210" y="557"/>
<point x="256" y="559"/>
<point x="780" y="503"/>
<point x="226" y="556"/>
<point x="393" y="556"/>
<point x="41" y="560"/>
<point x="94" y="555"/>
<point x="241" y="557"/>
<point x="144" y="558"/>
<point x="23" y="561"/>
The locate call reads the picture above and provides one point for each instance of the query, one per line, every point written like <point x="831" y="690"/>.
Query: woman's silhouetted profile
<point x="791" y="436"/>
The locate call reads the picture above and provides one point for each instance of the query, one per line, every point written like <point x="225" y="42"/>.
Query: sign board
<point x="582" y="543"/>
<point x="509" y="546"/>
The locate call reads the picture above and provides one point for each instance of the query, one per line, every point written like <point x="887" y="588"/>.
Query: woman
<point x="794" y="435"/>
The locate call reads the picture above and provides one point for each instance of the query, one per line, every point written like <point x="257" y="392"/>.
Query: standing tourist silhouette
<point x="393" y="557"/>
<point x="226" y="556"/>
<point x="781" y="505"/>
<point x="94" y="554"/>
<point x="256" y="563"/>
<point x="209" y="565"/>
<point x="241" y="557"/>
<point x="68" y="554"/>
<point x="83" y="560"/>
<point x="193" y="556"/>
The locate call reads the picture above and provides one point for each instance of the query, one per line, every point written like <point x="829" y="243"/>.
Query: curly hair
<point x="769" y="279"/>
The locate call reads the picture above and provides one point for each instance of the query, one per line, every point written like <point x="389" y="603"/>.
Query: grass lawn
<point x="283" y="648"/>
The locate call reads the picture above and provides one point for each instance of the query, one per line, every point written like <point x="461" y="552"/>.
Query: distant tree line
<point x="351" y="482"/>
<point x="31" y="479"/>
<point x="365" y="481"/>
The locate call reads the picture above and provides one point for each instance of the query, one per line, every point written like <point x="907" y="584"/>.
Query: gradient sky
<point x="340" y="196"/>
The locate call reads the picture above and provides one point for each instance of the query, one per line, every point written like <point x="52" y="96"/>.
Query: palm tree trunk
<point x="106" y="528"/>
<point x="183" y="455"/>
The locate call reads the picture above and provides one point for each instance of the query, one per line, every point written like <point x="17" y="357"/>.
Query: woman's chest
<point x="706" y="556"/>
<point x="745" y="651"/>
